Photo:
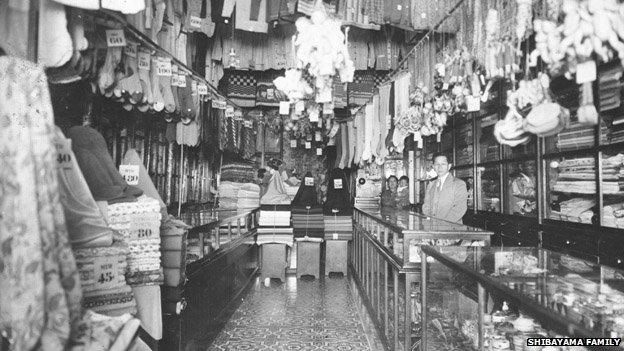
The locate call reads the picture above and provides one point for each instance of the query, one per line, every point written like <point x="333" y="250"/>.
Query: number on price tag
<point x="318" y="136"/>
<point x="308" y="145"/>
<point x="238" y="115"/>
<point x="115" y="38"/>
<point x="63" y="156"/>
<point x="284" y="107"/>
<point x="182" y="80"/>
<point x="335" y="236"/>
<point x="130" y="173"/>
<point x="313" y="115"/>
<point x="319" y="151"/>
<point x="473" y="104"/>
<point x="248" y="123"/>
<point x="196" y="22"/>
<point x="131" y="49"/>
<point x="144" y="60"/>
<point x="337" y="183"/>
<point x="299" y="106"/>
<point x="270" y="94"/>
<point x="202" y="89"/>
<point x="219" y="104"/>
<point x="586" y="72"/>
<point x="309" y="181"/>
<point x="105" y="271"/>
<point x="142" y="228"/>
<point x="163" y="67"/>
<point x="293" y="143"/>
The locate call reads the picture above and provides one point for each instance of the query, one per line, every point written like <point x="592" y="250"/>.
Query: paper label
<point x="328" y="108"/>
<point x="586" y="72"/>
<point x="299" y="106"/>
<point x="131" y="49"/>
<point x="144" y="60"/>
<point x="163" y="67"/>
<point x="420" y="143"/>
<point x="445" y="86"/>
<point x="335" y="236"/>
<point x="105" y="269"/>
<point x="248" y="124"/>
<point x="318" y="136"/>
<point x="142" y="229"/>
<point x="196" y="22"/>
<point x="293" y="143"/>
<point x="219" y="104"/>
<point x="229" y="111"/>
<point x="284" y="108"/>
<point x="181" y="80"/>
<point x="130" y="174"/>
<point x="337" y="183"/>
<point x="309" y="181"/>
<point x="439" y="137"/>
<point x="473" y="104"/>
<point x="308" y="145"/>
<point x="202" y="89"/>
<point x="313" y="115"/>
<point x="319" y="151"/>
<point x="115" y="38"/>
<point x="238" y="115"/>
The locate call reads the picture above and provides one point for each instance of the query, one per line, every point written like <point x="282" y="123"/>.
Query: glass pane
<point x="463" y="142"/>
<point x="431" y="146"/>
<point x="447" y="142"/>
<point x="612" y="191"/>
<point x="521" y="199"/>
<point x="490" y="189"/>
<point x="521" y="150"/>
<point x="576" y="136"/>
<point x="467" y="175"/>
<point x="571" y="189"/>
<point x="488" y="146"/>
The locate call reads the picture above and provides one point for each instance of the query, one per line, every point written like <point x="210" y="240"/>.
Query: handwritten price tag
<point x="313" y="115"/>
<point x="63" y="156"/>
<point x="229" y="111"/>
<point x="318" y="136"/>
<point x="328" y="108"/>
<point x="143" y="229"/>
<point x="335" y="236"/>
<point x="308" y="145"/>
<point x="202" y="89"/>
<point x="284" y="107"/>
<point x="196" y="22"/>
<point x="131" y="49"/>
<point x="309" y="181"/>
<point x="293" y="143"/>
<point x="319" y="151"/>
<point x="144" y="60"/>
<point x="219" y="104"/>
<point x="130" y="173"/>
<point x="181" y="80"/>
<point x="337" y="183"/>
<point x="248" y="123"/>
<point x="473" y="104"/>
<point x="115" y="38"/>
<point x="163" y="67"/>
<point x="105" y="272"/>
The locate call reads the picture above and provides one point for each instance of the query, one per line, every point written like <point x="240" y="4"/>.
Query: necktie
<point x="439" y="184"/>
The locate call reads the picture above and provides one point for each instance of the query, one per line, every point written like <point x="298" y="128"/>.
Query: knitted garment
<point x="339" y="93"/>
<point x="352" y="142"/>
<point x="367" y="153"/>
<point x="251" y="15"/>
<point x="344" y="139"/>
<point x="306" y="195"/>
<point x="338" y="198"/>
<point x="401" y="104"/>
<point x="359" y="139"/>
<point x="338" y="139"/>
<point x="241" y="88"/>
<point x="376" y="127"/>
<point x="266" y="93"/>
<point x="384" y="116"/>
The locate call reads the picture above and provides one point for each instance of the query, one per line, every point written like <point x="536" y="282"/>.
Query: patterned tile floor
<point x="300" y="314"/>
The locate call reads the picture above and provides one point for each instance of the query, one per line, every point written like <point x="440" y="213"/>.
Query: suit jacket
<point x="448" y="203"/>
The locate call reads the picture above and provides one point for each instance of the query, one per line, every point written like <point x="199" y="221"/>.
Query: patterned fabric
<point x="266" y="93"/>
<point x="241" y="88"/>
<point x="41" y="294"/>
<point x="364" y="84"/>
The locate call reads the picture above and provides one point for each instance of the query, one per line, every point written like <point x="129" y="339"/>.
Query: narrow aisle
<point x="300" y="315"/>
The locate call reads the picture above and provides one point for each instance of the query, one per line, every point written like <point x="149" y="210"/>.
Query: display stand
<point x="308" y="258"/>
<point x="336" y="256"/>
<point x="273" y="258"/>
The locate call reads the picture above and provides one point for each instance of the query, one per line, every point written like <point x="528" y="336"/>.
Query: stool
<point x="336" y="256"/>
<point x="308" y="258"/>
<point x="273" y="262"/>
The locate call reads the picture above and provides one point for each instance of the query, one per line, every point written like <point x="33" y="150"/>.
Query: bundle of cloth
<point x="338" y="198"/>
<point x="274" y="216"/>
<point x="103" y="279"/>
<point x="275" y="235"/>
<point x="577" y="209"/>
<point x="307" y="214"/>
<point x="248" y="196"/>
<point x="578" y="136"/>
<point x="338" y="227"/>
<point x="613" y="215"/>
<point x="228" y="194"/>
<point x="238" y="173"/>
<point x="138" y="226"/>
<point x="577" y="175"/>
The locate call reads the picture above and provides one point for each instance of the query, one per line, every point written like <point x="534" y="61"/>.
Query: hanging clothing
<point x="338" y="198"/>
<point x="384" y="126"/>
<point x="401" y="104"/>
<point x="368" y="133"/>
<point x="359" y="140"/>
<point x="376" y="126"/>
<point x="250" y="14"/>
<point x="306" y="195"/>
<point x="41" y="292"/>
<point x="276" y="192"/>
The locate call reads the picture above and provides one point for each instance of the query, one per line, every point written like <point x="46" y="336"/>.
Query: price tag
<point x="238" y="115"/>
<point x="473" y="104"/>
<point x="182" y="80"/>
<point x="105" y="271"/>
<point x="115" y="38"/>
<point x="163" y="67"/>
<point x="248" y="123"/>
<point x="319" y="151"/>
<point x="284" y="108"/>
<point x="144" y="60"/>
<point x="219" y="104"/>
<point x="131" y="49"/>
<point x="293" y="143"/>
<point x="318" y="136"/>
<point x="439" y="137"/>
<point x="299" y="106"/>
<point x="202" y="89"/>
<point x="309" y="181"/>
<point x="63" y="156"/>
<point x="445" y="86"/>
<point x="130" y="173"/>
<point x="337" y="183"/>
<point x="335" y="236"/>
<point x="420" y="143"/>
<point x="196" y="22"/>
<point x="328" y="108"/>
<point x="229" y="111"/>
<point x="586" y="72"/>
<point x="313" y="114"/>
<point x="143" y="229"/>
<point x="308" y="145"/>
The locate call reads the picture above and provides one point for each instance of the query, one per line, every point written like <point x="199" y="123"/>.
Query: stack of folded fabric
<point x="367" y="202"/>
<point x="576" y="209"/>
<point x="308" y="222"/>
<point x="102" y="278"/>
<point x="248" y="196"/>
<point x="464" y="144"/>
<point x="274" y="216"/>
<point x="367" y="193"/>
<point x="275" y="235"/>
<point x="338" y="227"/>
<point x="578" y="136"/>
<point x="138" y="224"/>
<point x="610" y="88"/>
<point x="616" y="130"/>
<point x="578" y="175"/>
<point x="613" y="215"/>
<point x="228" y="194"/>
<point x="238" y="172"/>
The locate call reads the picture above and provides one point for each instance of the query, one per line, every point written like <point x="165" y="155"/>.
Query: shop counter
<point x="386" y="264"/>
<point x="491" y="297"/>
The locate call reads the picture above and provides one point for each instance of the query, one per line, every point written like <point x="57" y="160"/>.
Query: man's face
<point x="441" y="166"/>
<point x="392" y="184"/>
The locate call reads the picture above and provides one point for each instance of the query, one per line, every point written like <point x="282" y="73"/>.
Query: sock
<point x="55" y="43"/>
<point x="106" y="76"/>
<point x="144" y="80"/>
<point x="193" y="13"/>
<point x="159" y="101"/>
<point x="131" y="84"/>
<point x="157" y="23"/>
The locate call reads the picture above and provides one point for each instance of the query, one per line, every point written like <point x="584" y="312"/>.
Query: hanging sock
<point x="384" y="115"/>
<point x="368" y="134"/>
<point x="159" y="100"/>
<point x="344" y="139"/>
<point x="55" y="43"/>
<point x="376" y="127"/>
<point x="131" y="84"/>
<point x="352" y="142"/>
<point x="144" y="78"/>
<point x="157" y="20"/>
<point x="194" y="21"/>
<point x="106" y="77"/>
<point x="359" y="140"/>
<point x="77" y="31"/>
<point x="127" y="7"/>
<point x="187" y="106"/>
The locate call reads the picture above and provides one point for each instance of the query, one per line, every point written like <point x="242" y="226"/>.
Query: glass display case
<point x="521" y="189"/>
<point x="490" y="190"/>
<point x="494" y="299"/>
<point x="447" y="141"/>
<point x="489" y="148"/>
<point x="464" y="149"/>
<point x="520" y="151"/>
<point x="575" y="136"/>
<point x="467" y="175"/>
<point x="571" y="188"/>
<point x="613" y="190"/>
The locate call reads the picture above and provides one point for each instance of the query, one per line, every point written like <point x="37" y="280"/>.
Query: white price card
<point x="473" y="104"/>
<point x="181" y="80"/>
<point x="299" y="106"/>
<point x="328" y="108"/>
<point x="439" y="137"/>
<point x="196" y="22"/>
<point x="105" y="271"/>
<point x="313" y="114"/>
<point x="308" y="145"/>
<point x="319" y="151"/>
<point x="63" y="156"/>
<point x="309" y="181"/>
<point x="130" y="173"/>
<point x="163" y="67"/>
<point x="202" y="89"/>
<point x="115" y="38"/>
<point x="335" y="236"/>
<point x="586" y="72"/>
<point x="229" y="111"/>
<point x="293" y="143"/>
<point x="131" y="49"/>
<point x="144" y="60"/>
<point x="219" y="104"/>
<point x="337" y="183"/>
<point x="248" y="123"/>
<point x="284" y="107"/>
<point x="318" y="136"/>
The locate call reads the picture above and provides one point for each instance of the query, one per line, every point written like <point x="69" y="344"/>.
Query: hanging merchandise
<point x="529" y="92"/>
<point x="276" y="192"/>
<point x="293" y="85"/>
<point x="510" y="131"/>
<point x="250" y="15"/>
<point x="337" y="202"/>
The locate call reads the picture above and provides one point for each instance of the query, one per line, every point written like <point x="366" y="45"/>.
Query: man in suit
<point x="446" y="196"/>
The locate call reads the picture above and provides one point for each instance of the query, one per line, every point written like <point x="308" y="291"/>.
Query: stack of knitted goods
<point x="338" y="227"/>
<point x="173" y="243"/>
<point x="578" y="136"/>
<point x="228" y="194"/>
<point x="274" y="216"/>
<point x="308" y="221"/>
<point x="102" y="278"/>
<point x="613" y="215"/>
<point x="238" y="172"/>
<point x="248" y="196"/>
<point x="138" y="224"/>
